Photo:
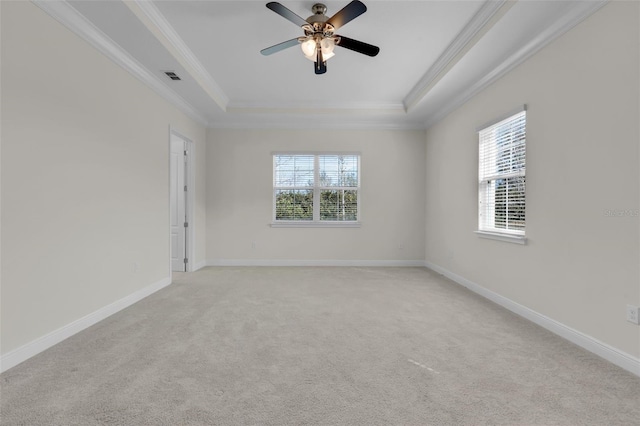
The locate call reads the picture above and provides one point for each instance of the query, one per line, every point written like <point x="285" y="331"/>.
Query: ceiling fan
<point x="319" y="38"/>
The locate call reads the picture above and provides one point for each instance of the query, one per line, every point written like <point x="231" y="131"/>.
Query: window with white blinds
<point x="501" y="176"/>
<point x="316" y="188"/>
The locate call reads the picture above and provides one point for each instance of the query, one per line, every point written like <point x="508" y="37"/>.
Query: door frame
<point x="189" y="247"/>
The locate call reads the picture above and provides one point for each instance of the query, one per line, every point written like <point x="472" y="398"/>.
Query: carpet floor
<point x="317" y="346"/>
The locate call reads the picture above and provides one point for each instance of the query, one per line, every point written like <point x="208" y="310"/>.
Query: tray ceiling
<point x="434" y="55"/>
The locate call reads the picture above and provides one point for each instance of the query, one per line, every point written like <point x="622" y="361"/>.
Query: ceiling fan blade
<point x="280" y="46"/>
<point x="286" y="13"/>
<point x="358" y="46"/>
<point x="347" y="14"/>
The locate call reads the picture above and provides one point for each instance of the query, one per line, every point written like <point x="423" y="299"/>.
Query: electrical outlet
<point x="632" y="314"/>
<point x="136" y="267"/>
<point x="253" y="244"/>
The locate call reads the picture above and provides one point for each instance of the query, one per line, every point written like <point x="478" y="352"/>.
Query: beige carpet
<point x="317" y="346"/>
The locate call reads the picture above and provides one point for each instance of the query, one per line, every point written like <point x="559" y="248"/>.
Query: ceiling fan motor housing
<point x="318" y="21"/>
<point x="319" y="9"/>
<point x="317" y="27"/>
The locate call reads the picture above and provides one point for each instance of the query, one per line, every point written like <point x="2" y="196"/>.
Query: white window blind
<point x="293" y="182"/>
<point x="316" y="188"/>
<point x="501" y="176"/>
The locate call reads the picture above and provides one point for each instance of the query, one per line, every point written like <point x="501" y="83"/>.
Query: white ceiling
<point x="434" y="55"/>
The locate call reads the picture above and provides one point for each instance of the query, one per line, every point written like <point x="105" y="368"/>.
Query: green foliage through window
<point x="339" y="205"/>
<point x="294" y="205"/>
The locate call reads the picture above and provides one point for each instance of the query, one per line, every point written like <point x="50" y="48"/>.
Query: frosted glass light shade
<point x="309" y="48"/>
<point x="327" y="45"/>
<point x="328" y="56"/>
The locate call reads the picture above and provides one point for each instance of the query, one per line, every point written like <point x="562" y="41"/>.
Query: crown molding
<point x="313" y="123"/>
<point x="578" y="13"/>
<point x="316" y="108"/>
<point x="488" y="15"/>
<point x="158" y="25"/>
<point x="68" y="16"/>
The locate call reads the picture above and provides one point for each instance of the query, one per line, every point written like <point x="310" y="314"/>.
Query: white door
<point x="178" y="203"/>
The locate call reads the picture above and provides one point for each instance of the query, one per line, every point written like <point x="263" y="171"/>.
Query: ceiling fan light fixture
<point x="327" y="45"/>
<point x="309" y="48"/>
<point x="328" y="56"/>
<point x="320" y="40"/>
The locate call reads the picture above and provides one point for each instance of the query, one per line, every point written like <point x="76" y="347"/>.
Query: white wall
<point x="579" y="267"/>
<point x="84" y="178"/>
<point x="239" y="197"/>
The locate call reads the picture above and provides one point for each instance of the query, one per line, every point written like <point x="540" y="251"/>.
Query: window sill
<point x="310" y="224"/>
<point x="507" y="238"/>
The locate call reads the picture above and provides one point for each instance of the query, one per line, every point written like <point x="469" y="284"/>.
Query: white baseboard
<point x="23" y="353"/>
<point x="309" y="262"/>
<point x="603" y="350"/>
<point x="199" y="265"/>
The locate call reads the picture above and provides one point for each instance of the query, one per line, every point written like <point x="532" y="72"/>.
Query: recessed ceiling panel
<point x="434" y="53"/>
<point x="227" y="38"/>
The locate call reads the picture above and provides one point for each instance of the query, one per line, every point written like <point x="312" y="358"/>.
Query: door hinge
<point x="185" y="156"/>
<point x="186" y="224"/>
<point x="186" y="260"/>
<point x="185" y="188"/>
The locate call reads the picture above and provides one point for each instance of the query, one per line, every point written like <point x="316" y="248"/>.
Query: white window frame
<point x="316" y="222"/>
<point x="485" y="229"/>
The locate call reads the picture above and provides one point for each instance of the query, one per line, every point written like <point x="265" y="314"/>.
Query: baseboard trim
<point x="593" y="345"/>
<point x="310" y="262"/>
<point x="199" y="265"/>
<point x="23" y="353"/>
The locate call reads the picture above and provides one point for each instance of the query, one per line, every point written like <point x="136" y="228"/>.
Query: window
<point x="501" y="177"/>
<point x="316" y="189"/>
